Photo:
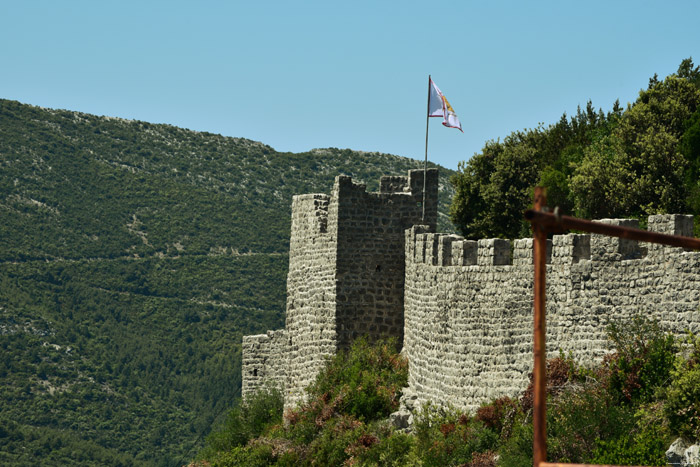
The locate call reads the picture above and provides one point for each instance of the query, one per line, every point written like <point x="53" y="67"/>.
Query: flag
<point x="438" y="106"/>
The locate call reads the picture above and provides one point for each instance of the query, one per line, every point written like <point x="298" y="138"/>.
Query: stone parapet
<point x="604" y="248"/>
<point x="670" y="224"/>
<point x="464" y="252"/>
<point x="571" y="248"/>
<point x="493" y="251"/>
<point x="468" y="327"/>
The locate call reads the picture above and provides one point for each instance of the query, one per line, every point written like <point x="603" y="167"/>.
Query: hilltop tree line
<point x="631" y="162"/>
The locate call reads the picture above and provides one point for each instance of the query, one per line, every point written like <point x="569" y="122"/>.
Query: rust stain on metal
<point x="539" y="377"/>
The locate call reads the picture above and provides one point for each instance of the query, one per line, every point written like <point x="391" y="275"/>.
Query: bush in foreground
<point x="247" y="421"/>
<point x="342" y="422"/>
<point x="683" y="394"/>
<point x="626" y="410"/>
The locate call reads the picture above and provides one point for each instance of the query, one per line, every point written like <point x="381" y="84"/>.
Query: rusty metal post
<point x="542" y="223"/>
<point x="539" y="445"/>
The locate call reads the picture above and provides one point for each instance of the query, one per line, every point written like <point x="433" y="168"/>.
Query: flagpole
<point x="425" y="164"/>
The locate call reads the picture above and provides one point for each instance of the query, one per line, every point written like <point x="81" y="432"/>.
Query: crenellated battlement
<point x="368" y="264"/>
<point x="426" y="247"/>
<point x="311" y="209"/>
<point x="452" y="250"/>
<point x="468" y="304"/>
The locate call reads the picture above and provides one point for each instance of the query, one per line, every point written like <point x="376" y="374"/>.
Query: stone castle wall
<point x="311" y="321"/>
<point x="468" y="305"/>
<point x="370" y="264"/>
<point x="265" y="361"/>
<point x="366" y="264"/>
<point x="346" y="277"/>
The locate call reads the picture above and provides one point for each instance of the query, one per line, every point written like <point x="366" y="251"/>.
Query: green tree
<point x="599" y="180"/>
<point x="638" y="169"/>
<point x="634" y="162"/>
<point x="689" y="147"/>
<point x="494" y="187"/>
<point x="687" y="71"/>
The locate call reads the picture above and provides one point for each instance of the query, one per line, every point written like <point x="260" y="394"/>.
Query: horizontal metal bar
<point x="553" y="222"/>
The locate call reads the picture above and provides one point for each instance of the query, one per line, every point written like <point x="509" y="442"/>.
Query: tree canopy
<point x="634" y="162"/>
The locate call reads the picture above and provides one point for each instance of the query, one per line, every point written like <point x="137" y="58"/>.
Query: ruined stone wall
<point x="265" y="361"/>
<point x="468" y="305"/>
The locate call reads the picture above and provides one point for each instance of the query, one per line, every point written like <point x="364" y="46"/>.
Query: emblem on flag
<point x="438" y="106"/>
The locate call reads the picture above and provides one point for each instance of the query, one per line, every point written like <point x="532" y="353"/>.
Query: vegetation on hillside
<point x="631" y="162"/>
<point x="133" y="258"/>
<point x="626" y="410"/>
<point x="342" y="421"/>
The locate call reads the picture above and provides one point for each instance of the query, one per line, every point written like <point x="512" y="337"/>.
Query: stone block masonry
<point x="468" y="323"/>
<point x="310" y="324"/>
<point x="346" y="277"/>
<point x="265" y="361"/>
<point x="367" y="264"/>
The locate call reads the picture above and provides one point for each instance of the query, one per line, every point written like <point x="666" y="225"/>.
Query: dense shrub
<point x="609" y="414"/>
<point x="683" y="395"/>
<point x="393" y="449"/>
<point x="446" y="436"/>
<point x="499" y="415"/>
<point x="626" y="410"/>
<point x="642" y="362"/>
<point x="365" y="381"/>
<point x="243" y="457"/>
<point x="559" y="371"/>
<point x="585" y="424"/>
<point x="340" y="438"/>
<point x="577" y="419"/>
<point x="343" y="420"/>
<point x="247" y="421"/>
<point x="644" y="444"/>
<point x="516" y="451"/>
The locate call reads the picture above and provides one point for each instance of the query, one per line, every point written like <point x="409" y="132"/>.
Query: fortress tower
<point x="346" y="277"/>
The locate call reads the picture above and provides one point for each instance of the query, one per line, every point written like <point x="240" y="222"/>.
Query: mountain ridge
<point x="148" y="250"/>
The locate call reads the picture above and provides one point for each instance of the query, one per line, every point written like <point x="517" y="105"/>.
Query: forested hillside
<point x="133" y="257"/>
<point x="632" y="162"/>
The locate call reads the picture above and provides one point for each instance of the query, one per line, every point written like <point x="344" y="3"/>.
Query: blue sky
<point x="309" y="74"/>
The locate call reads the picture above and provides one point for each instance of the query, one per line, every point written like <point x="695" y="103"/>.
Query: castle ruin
<point x="367" y="264"/>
